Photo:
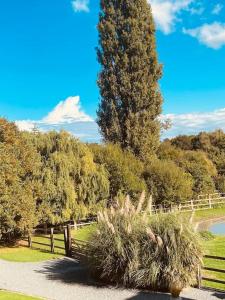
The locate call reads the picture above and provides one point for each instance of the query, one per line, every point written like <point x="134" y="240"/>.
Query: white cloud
<point x="217" y="9"/>
<point x="166" y="12"/>
<point x="80" y="5"/>
<point x="66" y="115"/>
<point x="68" y="111"/>
<point x="211" y="35"/>
<point x="26" y="125"/>
<point x="193" y="123"/>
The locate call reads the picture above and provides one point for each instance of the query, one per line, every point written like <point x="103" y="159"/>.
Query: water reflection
<point x="218" y="228"/>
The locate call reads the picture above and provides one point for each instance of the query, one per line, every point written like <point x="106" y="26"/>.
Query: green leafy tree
<point x="70" y="182"/>
<point x="196" y="163"/>
<point x="19" y="168"/>
<point x="220" y="183"/>
<point x="124" y="169"/>
<point x="128" y="81"/>
<point x="167" y="182"/>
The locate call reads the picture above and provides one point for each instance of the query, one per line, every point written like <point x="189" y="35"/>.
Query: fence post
<point x="29" y="240"/>
<point x="75" y="225"/>
<point x="52" y="240"/>
<point x="210" y="202"/>
<point x="192" y="205"/>
<point x="65" y="240"/>
<point x="69" y="241"/>
<point x="199" y="279"/>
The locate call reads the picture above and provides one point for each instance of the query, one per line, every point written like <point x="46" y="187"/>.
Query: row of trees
<point x="46" y="179"/>
<point x="212" y="145"/>
<point x="51" y="178"/>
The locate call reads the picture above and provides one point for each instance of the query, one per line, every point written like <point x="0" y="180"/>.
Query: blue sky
<point x="47" y="54"/>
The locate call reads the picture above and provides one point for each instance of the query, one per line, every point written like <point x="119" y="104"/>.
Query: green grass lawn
<point x="14" y="296"/>
<point x="204" y="215"/>
<point x="215" y="247"/>
<point x="23" y="254"/>
<point x="42" y="252"/>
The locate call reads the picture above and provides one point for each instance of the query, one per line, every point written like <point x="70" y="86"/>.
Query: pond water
<point x="218" y="228"/>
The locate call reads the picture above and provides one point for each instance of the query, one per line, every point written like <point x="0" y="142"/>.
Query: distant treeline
<point x="51" y="178"/>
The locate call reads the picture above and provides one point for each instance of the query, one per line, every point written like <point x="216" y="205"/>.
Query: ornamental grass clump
<point x="133" y="248"/>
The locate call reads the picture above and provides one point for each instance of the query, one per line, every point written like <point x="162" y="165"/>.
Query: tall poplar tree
<point x="128" y="81"/>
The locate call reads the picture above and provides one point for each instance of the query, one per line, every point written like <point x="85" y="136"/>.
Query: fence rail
<point x="211" y="270"/>
<point x="47" y="242"/>
<point x="209" y="201"/>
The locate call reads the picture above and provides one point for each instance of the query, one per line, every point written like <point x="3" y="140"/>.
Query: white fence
<point x="203" y="202"/>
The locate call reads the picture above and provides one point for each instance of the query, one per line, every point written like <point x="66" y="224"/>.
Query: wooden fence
<point x="210" y="274"/>
<point x="78" y="250"/>
<point x="203" y="202"/>
<point x="57" y="241"/>
<point x="46" y="242"/>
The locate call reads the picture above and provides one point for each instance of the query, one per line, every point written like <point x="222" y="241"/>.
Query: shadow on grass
<point x="46" y="251"/>
<point x="70" y="271"/>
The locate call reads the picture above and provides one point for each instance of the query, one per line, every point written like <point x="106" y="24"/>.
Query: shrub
<point x="167" y="182"/>
<point x="131" y="249"/>
<point x="124" y="169"/>
<point x="206" y="235"/>
<point x="220" y="183"/>
<point x="195" y="163"/>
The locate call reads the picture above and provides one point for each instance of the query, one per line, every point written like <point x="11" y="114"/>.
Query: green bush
<point x="124" y="169"/>
<point x="133" y="249"/>
<point x="206" y="235"/>
<point x="195" y="163"/>
<point x="167" y="182"/>
<point x="220" y="183"/>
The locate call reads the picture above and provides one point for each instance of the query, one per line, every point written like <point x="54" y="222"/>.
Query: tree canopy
<point x="19" y="168"/>
<point x="124" y="169"/>
<point x="128" y="80"/>
<point x="70" y="180"/>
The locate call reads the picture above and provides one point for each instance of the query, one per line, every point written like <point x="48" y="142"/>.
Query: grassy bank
<point x="215" y="247"/>
<point x="204" y="215"/>
<point x="4" y="295"/>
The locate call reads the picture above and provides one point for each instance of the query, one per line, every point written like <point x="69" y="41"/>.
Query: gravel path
<point x="65" y="279"/>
